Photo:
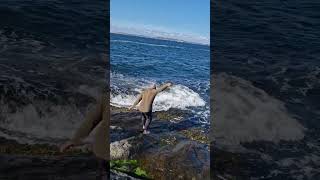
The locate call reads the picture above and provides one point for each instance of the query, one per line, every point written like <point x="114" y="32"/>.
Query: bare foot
<point x="146" y="132"/>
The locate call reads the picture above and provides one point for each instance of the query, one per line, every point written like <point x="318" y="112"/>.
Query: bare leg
<point x="148" y="122"/>
<point x="143" y="119"/>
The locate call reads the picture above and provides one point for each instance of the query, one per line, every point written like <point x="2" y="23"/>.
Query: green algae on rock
<point x="130" y="167"/>
<point x="118" y="109"/>
<point x="196" y="134"/>
<point x="167" y="116"/>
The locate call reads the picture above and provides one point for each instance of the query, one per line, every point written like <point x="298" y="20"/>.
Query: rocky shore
<point x="175" y="148"/>
<point x="43" y="161"/>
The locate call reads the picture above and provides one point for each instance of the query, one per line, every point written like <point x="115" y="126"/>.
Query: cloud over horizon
<point x="158" y="32"/>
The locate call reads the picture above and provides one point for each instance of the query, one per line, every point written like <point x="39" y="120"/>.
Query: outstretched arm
<point x="136" y="102"/>
<point x="163" y="87"/>
<point x="90" y="122"/>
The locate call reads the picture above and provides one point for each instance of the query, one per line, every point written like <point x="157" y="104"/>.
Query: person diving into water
<point x="146" y="98"/>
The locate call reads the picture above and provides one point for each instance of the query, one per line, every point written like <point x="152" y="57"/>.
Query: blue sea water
<point x="275" y="46"/>
<point x="53" y="59"/>
<point x="137" y="62"/>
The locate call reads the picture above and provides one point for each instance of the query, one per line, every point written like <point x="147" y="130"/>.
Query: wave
<point x="124" y="91"/>
<point x="11" y="41"/>
<point x="40" y="121"/>
<point x="31" y="113"/>
<point x="178" y="96"/>
<point x="244" y="113"/>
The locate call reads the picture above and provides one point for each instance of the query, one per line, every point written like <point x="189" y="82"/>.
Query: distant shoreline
<point x="161" y="38"/>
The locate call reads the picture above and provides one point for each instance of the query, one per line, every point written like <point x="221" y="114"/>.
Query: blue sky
<point x="190" y="17"/>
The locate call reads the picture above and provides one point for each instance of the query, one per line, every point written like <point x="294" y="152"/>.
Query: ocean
<point x="137" y="62"/>
<point x="53" y="63"/>
<point x="270" y="52"/>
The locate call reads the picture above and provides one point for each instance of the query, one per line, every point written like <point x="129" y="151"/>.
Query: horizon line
<point x="160" y="34"/>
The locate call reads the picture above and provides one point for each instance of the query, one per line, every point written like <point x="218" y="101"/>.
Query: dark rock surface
<point x="46" y="168"/>
<point x="116" y="175"/>
<point x="167" y="152"/>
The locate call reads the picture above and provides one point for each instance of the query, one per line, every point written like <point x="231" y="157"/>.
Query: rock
<point x="120" y="149"/>
<point x="165" y="153"/>
<point x="186" y="160"/>
<point x="125" y="148"/>
<point x="116" y="175"/>
<point x="15" y="148"/>
<point x="197" y="134"/>
<point x="44" y="161"/>
<point x="41" y="168"/>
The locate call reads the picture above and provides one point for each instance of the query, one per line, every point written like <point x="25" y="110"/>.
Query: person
<point x="97" y="119"/>
<point x="146" y="98"/>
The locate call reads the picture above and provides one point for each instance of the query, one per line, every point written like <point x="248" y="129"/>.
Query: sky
<point x="187" y="20"/>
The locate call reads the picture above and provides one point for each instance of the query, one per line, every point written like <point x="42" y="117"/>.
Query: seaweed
<point x="130" y="167"/>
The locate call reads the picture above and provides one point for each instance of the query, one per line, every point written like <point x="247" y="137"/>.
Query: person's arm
<point x="136" y="102"/>
<point x="92" y="119"/>
<point x="163" y="87"/>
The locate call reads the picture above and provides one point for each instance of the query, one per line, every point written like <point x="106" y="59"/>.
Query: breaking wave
<point x="244" y="113"/>
<point x="32" y="113"/>
<point x="178" y="96"/>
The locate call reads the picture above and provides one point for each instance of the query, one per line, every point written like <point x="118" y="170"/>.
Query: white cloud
<point x="157" y="32"/>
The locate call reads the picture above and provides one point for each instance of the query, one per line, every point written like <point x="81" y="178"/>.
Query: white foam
<point x="55" y="121"/>
<point x="244" y="113"/>
<point x="125" y="89"/>
<point x="178" y="96"/>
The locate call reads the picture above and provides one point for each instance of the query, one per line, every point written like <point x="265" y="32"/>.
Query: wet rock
<point x="44" y="161"/>
<point x="120" y="149"/>
<point x="125" y="148"/>
<point x="186" y="160"/>
<point x="197" y="134"/>
<point x="116" y="175"/>
<point x="165" y="153"/>
<point x="42" y="168"/>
